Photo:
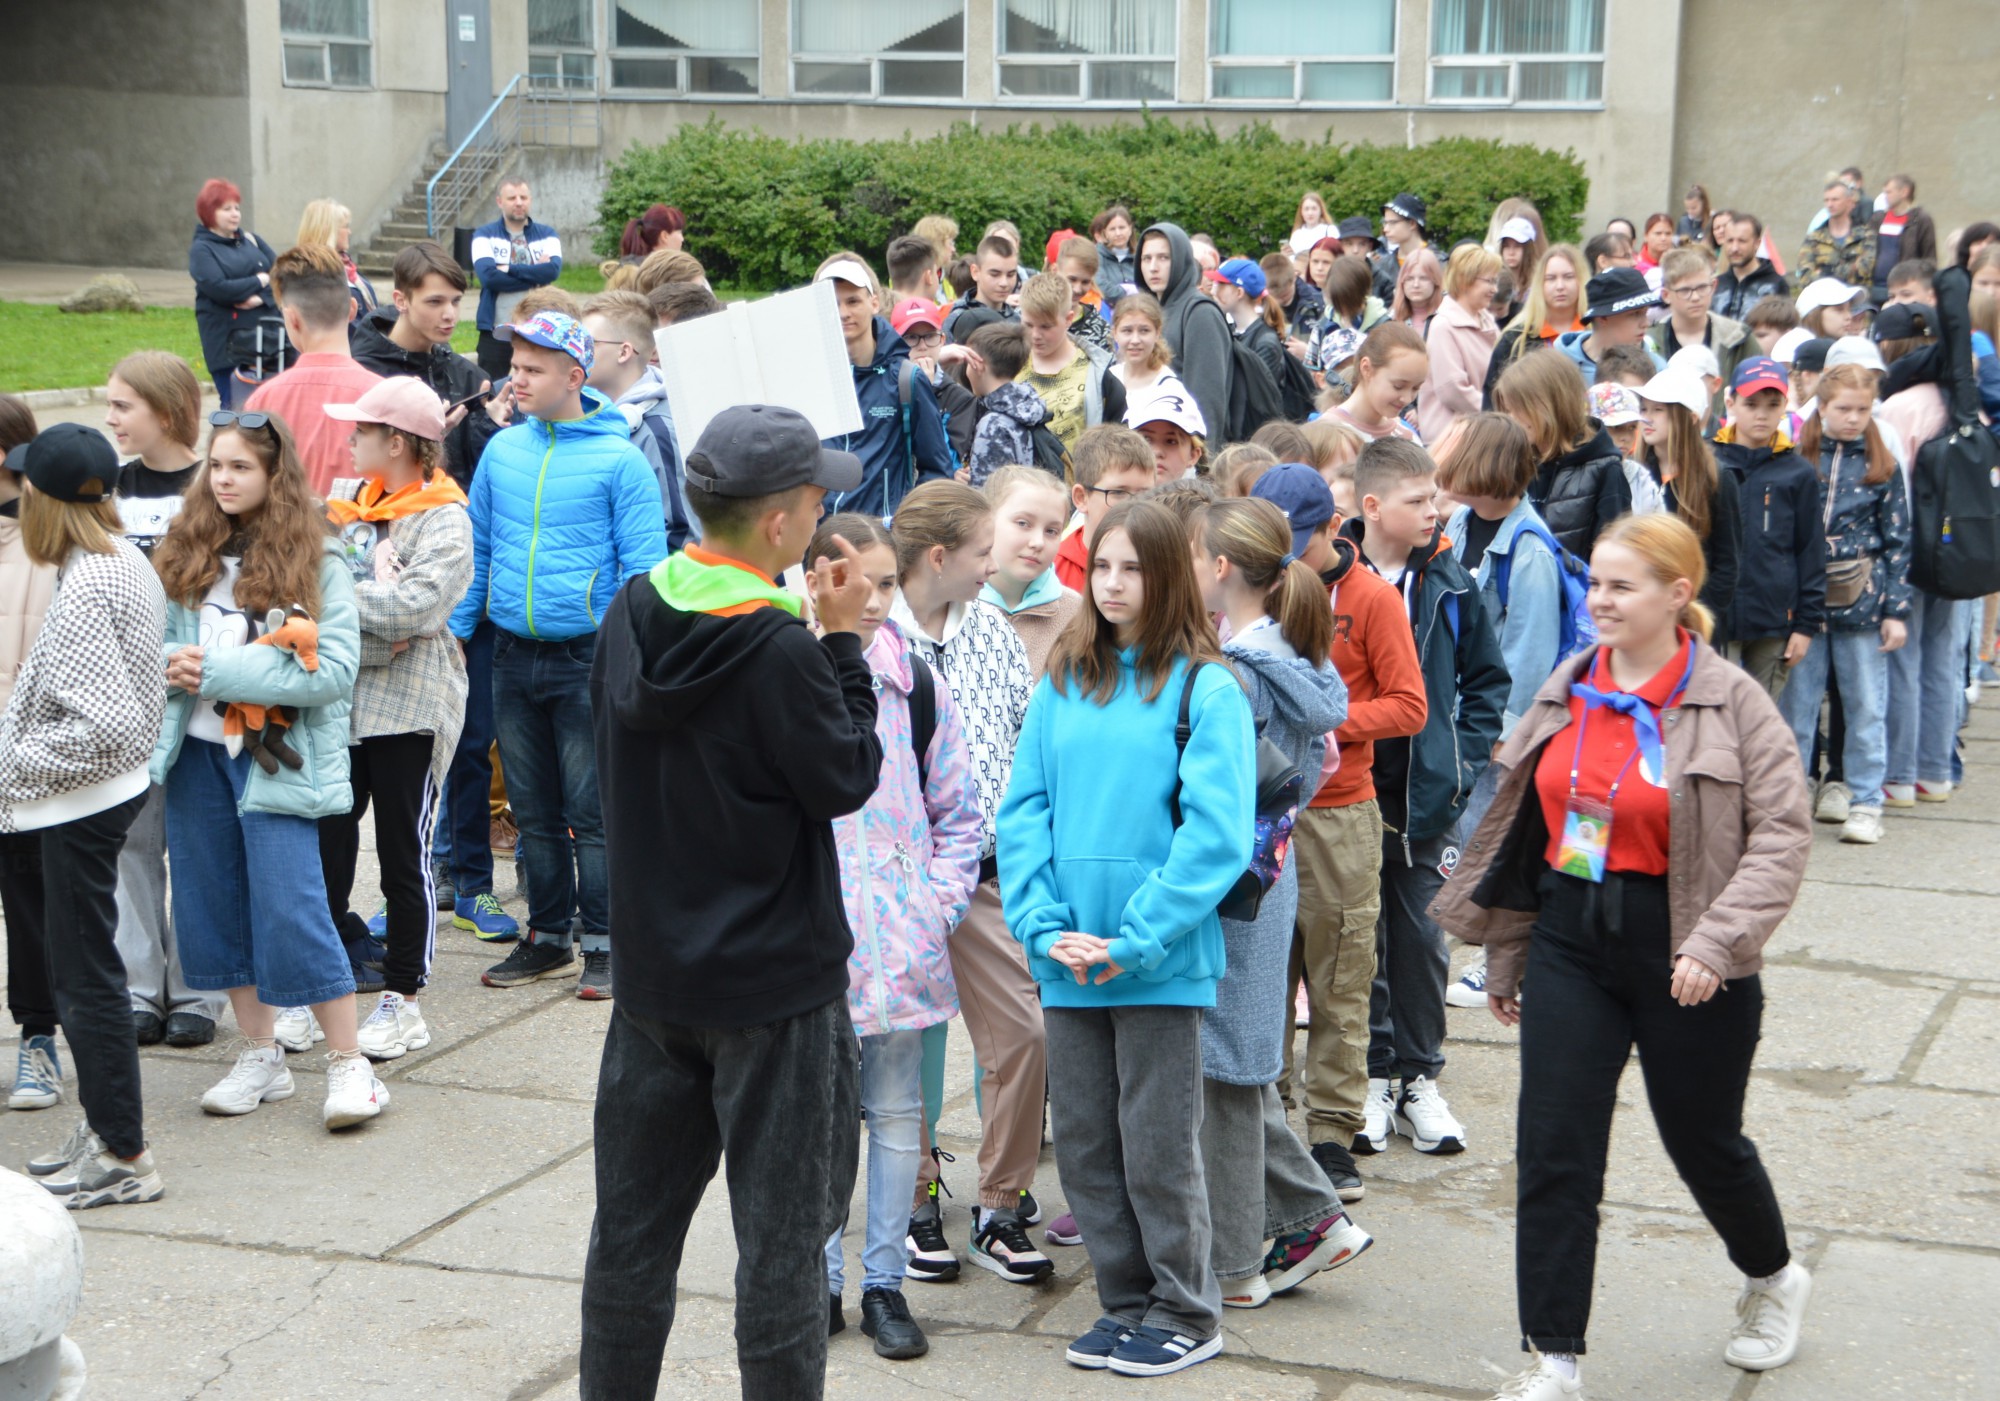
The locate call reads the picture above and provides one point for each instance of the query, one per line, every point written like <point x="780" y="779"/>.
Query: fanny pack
<point x="1846" y="579"/>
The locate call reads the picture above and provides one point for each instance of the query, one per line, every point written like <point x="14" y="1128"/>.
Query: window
<point x="562" y="44"/>
<point x="704" y="48"/>
<point x="326" y="43"/>
<point x="1335" y="51"/>
<point x="878" y="48"/>
<point x="1499" y="51"/>
<point x="1094" y="50"/>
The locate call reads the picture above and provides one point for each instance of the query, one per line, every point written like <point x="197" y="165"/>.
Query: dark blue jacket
<point x="898" y="448"/>
<point x="490" y="241"/>
<point x="1781" y="569"/>
<point x="224" y="272"/>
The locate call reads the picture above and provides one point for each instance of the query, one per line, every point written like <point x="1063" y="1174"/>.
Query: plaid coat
<point x="421" y="689"/>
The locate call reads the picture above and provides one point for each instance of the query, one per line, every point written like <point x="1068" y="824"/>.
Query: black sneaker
<point x="885" y="1317"/>
<point x="1338" y="1165"/>
<point x="530" y="962"/>
<point x="147" y="1028"/>
<point x="189" y="1029"/>
<point x="931" y="1260"/>
<point x="447" y="894"/>
<point x="836" y="1321"/>
<point x="595" y="985"/>
<point x="1030" y="1209"/>
<point x="1002" y="1246"/>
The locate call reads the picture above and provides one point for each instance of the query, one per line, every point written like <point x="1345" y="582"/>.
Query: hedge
<point x="763" y="211"/>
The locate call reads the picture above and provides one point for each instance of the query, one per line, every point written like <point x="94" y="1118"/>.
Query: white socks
<point x="1768" y="1282"/>
<point x="1564" y="1362"/>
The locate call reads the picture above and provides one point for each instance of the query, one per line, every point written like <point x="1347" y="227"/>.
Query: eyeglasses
<point x="925" y="338"/>
<point x="1688" y="294"/>
<point x="1114" y="494"/>
<point x="223" y="418"/>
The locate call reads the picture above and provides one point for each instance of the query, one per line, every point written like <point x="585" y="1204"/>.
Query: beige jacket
<point x="25" y="591"/>
<point x="1738" y="835"/>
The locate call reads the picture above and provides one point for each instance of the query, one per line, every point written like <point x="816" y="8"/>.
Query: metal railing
<point x="521" y="114"/>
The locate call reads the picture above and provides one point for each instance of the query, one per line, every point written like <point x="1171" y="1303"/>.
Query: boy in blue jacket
<point x="901" y="442"/>
<point x="564" y="511"/>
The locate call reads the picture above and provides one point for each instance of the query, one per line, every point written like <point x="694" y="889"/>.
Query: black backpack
<point x="1296" y="388"/>
<point x="923" y="715"/>
<point x="1955" y="480"/>
<point x="1254" y="399"/>
<point x="1050" y="454"/>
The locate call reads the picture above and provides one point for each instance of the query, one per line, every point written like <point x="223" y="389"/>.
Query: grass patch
<point x="43" y="347"/>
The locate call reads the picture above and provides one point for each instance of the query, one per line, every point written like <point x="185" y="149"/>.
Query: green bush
<point x="763" y="211"/>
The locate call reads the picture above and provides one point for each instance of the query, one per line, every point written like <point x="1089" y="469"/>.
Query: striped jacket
<point x="499" y="275"/>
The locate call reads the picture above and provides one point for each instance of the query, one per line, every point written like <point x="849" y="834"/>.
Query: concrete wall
<point x="1900" y="86"/>
<point x="113" y="114"/>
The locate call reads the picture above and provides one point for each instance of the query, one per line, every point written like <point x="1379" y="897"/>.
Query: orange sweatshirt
<point x="1375" y="652"/>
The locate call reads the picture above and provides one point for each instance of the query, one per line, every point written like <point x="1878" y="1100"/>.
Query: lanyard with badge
<point x="1586" y="835"/>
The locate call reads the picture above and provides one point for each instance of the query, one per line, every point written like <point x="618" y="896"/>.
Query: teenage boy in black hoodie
<point x="1422" y="783"/>
<point x="728" y="739"/>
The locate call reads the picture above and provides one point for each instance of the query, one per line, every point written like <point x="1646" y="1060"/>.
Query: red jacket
<point x="1073" y="560"/>
<point x="1375" y="652"/>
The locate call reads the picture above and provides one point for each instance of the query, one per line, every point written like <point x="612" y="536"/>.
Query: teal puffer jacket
<point x="269" y="676"/>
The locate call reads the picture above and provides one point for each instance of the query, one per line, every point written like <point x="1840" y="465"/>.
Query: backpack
<point x="923" y="716"/>
<point x="1297" y="390"/>
<point x="1279" y="789"/>
<point x="1575" y="630"/>
<point x="1050" y="454"/>
<point x="1955" y="479"/>
<point x="1254" y="399"/>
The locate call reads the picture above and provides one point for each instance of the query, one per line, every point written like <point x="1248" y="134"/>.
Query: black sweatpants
<point x="29" y="996"/>
<point x="494" y="355"/>
<point x="80" y="890"/>
<point x="394" y="772"/>
<point x="1596" y="984"/>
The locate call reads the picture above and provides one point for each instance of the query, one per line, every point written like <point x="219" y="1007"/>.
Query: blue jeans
<point x="249" y="898"/>
<point x="463" y="828"/>
<point x="541" y="708"/>
<point x="1927" y="690"/>
<point x="1864" y="673"/>
<point x="892" y="1097"/>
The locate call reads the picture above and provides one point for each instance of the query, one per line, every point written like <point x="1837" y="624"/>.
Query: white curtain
<point x="1517" y="26"/>
<point x="1143" y="27"/>
<point x="1303" y="28"/>
<point x="332" y="19"/>
<point x="718" y="26"/>
<point x="559" y="23"/>
<point x="871" y="26"/>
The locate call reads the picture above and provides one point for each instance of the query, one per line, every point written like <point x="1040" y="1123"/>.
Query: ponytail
<point x="1671" y="551"/>
<point x="1273" y="314"/>
<point x="1252" y="535"/>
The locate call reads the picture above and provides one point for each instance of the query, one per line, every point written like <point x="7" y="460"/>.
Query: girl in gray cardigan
<point x="1262" y="1183"/>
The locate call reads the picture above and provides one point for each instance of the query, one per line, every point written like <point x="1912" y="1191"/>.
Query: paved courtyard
<point x="438" y="1251"/>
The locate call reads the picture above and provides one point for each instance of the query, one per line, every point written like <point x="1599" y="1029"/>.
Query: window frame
<point x="593" y="51"/>
<point x="1297" y="63"/>
<point x="1084" y="63"/>
<point x="290" y="38"/>
<point x="1433" y="61"/>
<point x="610" y="52"/>
<point x="875" y="58"/>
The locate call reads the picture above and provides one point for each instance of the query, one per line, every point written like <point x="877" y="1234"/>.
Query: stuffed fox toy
<point x="260" y="728"/>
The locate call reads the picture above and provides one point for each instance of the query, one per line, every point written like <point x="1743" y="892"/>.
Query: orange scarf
<point x="371" y="505"/>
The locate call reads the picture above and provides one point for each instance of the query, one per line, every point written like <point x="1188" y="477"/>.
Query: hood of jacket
<point x="679" y="651"/>
<point x="889" y="658"/>
<point x="1044" y="590"/>
<point x="1743" y="458"/>
<point x="1018" y="402"/>
<point x="647" y="393"/>
<point x="1288" y="689"/>
<point x="600" y="419"/>
<point x="1183" y="272"/>
<point x="1346" y="554"/>
<point x="1570" y="343"/>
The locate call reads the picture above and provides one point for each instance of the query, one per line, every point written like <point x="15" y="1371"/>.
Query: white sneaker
<point x="1899" y="795"/>
<point x="1425" y="1119"/>
<point x="1251" y="1293"/>
<point x="1833" y="802"/>
<point x="259" y="1077"/>
<point x="1470" y="988"/>
<point x="1939" y="792"/>
<point x="1768" y="1322"/>
<point x="1864" y="825"/>
<point x="1542" y="1382"/>
<point x="297" y="1029"/>
<point x="1375" y="1113"/>
<point x="1302" y="1016"/>
<point x="394" y="1029"/>
<point x="353" y="1094"/>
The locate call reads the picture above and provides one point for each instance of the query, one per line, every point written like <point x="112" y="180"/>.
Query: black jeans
<point x="780" y="1105"/>
<point x="80" y="888"/>
<point x="494" y="355"/>
<point x="468" y="784"/>
<point x="29" y="996"/>
<point x="1412" y="964"/>
<point x="1597" y="984"/>
<point x="393" y="772"/>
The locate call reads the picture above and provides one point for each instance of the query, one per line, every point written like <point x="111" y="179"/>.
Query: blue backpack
<point x="1576" y="631"/>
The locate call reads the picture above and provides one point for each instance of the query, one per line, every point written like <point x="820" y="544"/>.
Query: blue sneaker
<point x="482" y="914"/>
<point x="37" y="1075"/>
<point x="378" y="923"/>
<point x="1154" y="1352"/>
<point x="1093" y="1350"/>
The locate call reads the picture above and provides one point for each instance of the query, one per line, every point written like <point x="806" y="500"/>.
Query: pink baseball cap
<point x="402" y="401"/>
<point x="913" y="310"/>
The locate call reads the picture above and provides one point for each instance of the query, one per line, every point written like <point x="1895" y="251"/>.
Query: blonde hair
<point x="320" y="224"/>
<point x="847" y="256"/>
<point x="170" y="390"/>
<point x="1013" y="477"/>
<point x="1047" y="294"/>
<point x="1469" y="263"/>
<point x="1147" y="305"/>
<point x="1237" y="467"/>
<point x="676" y="265"/>
<point x="1671" y="550"/>
<point x="1252" y="534"/>
<point x="619" y="275"/>
<point x="940" y="231"/>
<point x="1328" y="437"/>
<point x="51" y="529"/>
<point x="628" y="313"/>
<point x="549" y="298"/>
<point x="1534" y="312"/>
<point x="937" y="513"/>
<point x="1546" y="396"/>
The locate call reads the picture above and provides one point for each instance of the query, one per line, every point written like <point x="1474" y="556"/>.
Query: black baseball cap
<point x="758" y="449"/>
<point x="1411" y="207"/>
<point x="1903" y="321"/>
<point x="1810" y="355"/>
<point x="1615" y="290"/>
<point x="64" y="460"/>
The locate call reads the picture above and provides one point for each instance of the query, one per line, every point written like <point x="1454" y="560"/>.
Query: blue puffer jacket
<point x="895" y="454"/>
<point x="268" y="676"/>
<point x="562" y="515"/>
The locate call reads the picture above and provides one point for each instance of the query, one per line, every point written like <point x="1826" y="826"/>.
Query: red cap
<point x="1056" y="241"/>
<point x="913" y="311"/>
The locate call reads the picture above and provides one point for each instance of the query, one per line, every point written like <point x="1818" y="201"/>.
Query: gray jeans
<point x="1262" y="1183"/>
<point x="145" y="933"/>
<point x="1125" y="1104"/>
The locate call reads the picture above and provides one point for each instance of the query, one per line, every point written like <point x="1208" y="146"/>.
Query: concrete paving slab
<point x="1824" y="1021"/>
<point x="1888" y="929"/>
<point x="1966" y="1053"/>
<point x="553" y="1055"/>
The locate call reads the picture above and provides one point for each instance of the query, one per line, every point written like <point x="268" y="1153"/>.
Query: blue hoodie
<point x="562" y="515"/>
<point x="1087" y="840"/>
<point x="1570" y="343"/>
<point x="898" y="449"/>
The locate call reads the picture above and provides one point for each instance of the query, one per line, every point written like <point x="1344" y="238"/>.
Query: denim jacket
<point x="1530" y="624"/>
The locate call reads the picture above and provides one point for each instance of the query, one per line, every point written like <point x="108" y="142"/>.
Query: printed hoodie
<point x="908" y="860"/>
<point x="728" y="739"/>
<point x="1197" y="329"/>
<point x="1865" y="522"/>
<point x="1007" y="419"/>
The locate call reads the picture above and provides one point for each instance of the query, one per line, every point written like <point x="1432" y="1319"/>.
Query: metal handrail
<point x="483" y="149"/>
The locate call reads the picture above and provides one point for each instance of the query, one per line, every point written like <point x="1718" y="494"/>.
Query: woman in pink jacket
<point x="1461" y="337"/>
<point x="908" y="864"/>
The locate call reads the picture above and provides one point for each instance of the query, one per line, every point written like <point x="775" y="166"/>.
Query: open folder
<point x="784" y="349"/>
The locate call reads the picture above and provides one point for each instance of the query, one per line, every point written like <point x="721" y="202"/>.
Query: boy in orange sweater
<point x="1337" y="843"/>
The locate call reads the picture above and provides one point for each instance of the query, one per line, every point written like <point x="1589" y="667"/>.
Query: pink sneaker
<point x="1301" y="1008"/>
<point x="1062" y="1231"/>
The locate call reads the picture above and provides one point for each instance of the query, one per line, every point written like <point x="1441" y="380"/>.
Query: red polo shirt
<point x="1073" y="561"/>
<point x="1639" y="814"/>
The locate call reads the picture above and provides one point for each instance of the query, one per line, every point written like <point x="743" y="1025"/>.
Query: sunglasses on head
<point x="224" y="418"/>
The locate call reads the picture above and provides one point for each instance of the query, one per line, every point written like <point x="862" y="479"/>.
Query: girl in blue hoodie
<point x="1117" y="839"/>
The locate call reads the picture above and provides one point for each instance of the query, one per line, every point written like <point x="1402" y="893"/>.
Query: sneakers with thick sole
<point x="1093" y="1350"/>
<point x="931" y="1258"/>
<point x="1863" y="826"/>
<point x="37" y="1075"/>
<point x="530" y="962"/>
<point x="260" y="1076"/>
<point x="1154" y="1352"/>
<point x="1768" y="1322"/>
<point x="595" y="984"/>
<point x="482" y="915"/>
<point x="1251" y="1293"/>
<point x="1296" y="1258"/>
<point x="1426" y="1120"/>
<point x="1338" y="1165"/>
<point x="1898" y="795"/>
<point x="353" y="1094"/>
<point x="394" y="1029"/>
<point x="1376" y="1111"/>
<point x="297" y="1029"/>
<point x="1832" y="803"/>
<point x="1468" y="989"/>
<point x="1001" y="1245"/>
<point x="105" y="1179"/>
<point x="1063" y="1231"/>
<point x="1544" y="1381"/>
<point x="885" y="1317"/>
<point x="1030" y="1209"/>
<point x="1939" y="792"/>
<point x="50" y="1163"/>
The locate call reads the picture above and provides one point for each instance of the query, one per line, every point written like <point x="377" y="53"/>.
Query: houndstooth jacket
<point x="89" y="700"/>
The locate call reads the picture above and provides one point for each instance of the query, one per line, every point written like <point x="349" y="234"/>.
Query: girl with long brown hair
<point x="1708" y="499"/>
<point x="254" y="753"/>
<point x="1122" y="830"/>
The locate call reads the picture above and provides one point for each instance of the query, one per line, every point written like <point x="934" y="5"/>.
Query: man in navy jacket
<point x="511" y="256"/>
<point x="901" y="441"/>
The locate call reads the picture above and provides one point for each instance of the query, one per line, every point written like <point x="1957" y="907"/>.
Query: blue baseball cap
<point x="1302" y="494"/>
<point x="1243" y="273"/>
<point x="556" y="332"/>
<point x="1758" y="373"/>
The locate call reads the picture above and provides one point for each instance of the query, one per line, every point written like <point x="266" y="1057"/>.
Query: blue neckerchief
<point x="1645" y="723"/>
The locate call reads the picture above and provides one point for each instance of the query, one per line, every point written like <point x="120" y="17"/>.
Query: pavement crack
<point x="1920" y="1044"/>
<point x="228" y="1355"/>
<point x="560" y="1160"/>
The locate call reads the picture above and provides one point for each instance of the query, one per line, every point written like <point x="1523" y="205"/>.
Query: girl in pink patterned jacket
<point x="908" y="864"/>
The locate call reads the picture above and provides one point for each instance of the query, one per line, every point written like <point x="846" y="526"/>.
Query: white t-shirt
<point x="223" y="624"/>
<point x="1306" y="235"/>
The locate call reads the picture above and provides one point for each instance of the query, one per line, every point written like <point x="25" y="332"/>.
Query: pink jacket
<point x="1461" y="347"/>
<point x="909" y="860"/>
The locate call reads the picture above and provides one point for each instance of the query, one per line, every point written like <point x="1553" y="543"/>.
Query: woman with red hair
<point x="232" y="274"/>
<point x="661" y="227"/>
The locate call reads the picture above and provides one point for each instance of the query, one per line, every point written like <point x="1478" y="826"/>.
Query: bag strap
<point x="905" y="392"/>
<point x="1183" y="732"/>
<point x="923" y="716"/>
